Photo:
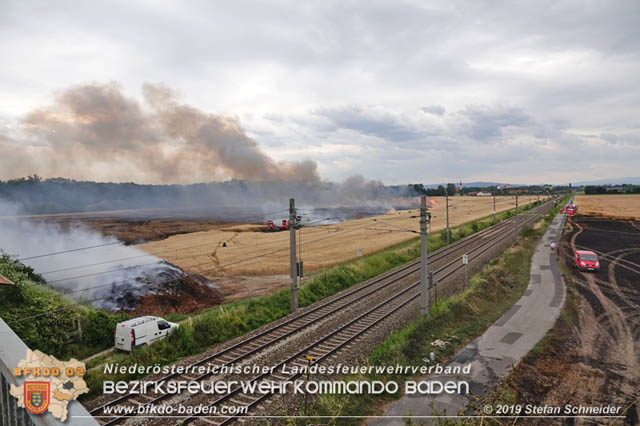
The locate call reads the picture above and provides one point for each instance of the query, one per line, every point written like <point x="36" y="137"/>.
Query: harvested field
<point x="594" y="359"/>
<point x="613" y="206"/>
<point x="249" y="252"/>
<point x="132" y="231"/>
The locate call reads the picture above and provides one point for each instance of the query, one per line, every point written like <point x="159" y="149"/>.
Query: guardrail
<point x="12" y="351"/>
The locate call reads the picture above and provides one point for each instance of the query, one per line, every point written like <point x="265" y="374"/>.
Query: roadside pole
<point x="516" y="218"/>
<point x="292" y="253"/>
<point x="494" y="207"/>
<point x="448" y="232"/>
<point x="424" y="291"/>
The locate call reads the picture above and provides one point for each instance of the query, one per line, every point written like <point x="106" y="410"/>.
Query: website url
<point x="166" y="409"/>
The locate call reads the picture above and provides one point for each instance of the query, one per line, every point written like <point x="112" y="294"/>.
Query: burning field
<point x="245" y="261"/>
<point x="612" y="206"/>
<point x="190" y="260"/>
<point x="85" y="265"/>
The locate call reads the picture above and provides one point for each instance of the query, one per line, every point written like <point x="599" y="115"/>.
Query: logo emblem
<point x="36" y="396"/>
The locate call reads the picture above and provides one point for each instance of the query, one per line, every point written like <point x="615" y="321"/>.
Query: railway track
<point x="444" y="262"/>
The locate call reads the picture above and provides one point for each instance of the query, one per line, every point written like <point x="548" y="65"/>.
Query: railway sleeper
<point x="264" y="340"/>
<point x="238" y="352"/>
<point x="312" y="317"/>
<point x="338" y="341"/>
<point x="209" y="421"/>
<point x="300" y="364"/>
<point x="276" y="334"/>
<point x="147" y="397"/>
<point x="226" y="358"/>
<point x="315" y="353"/>
<point x="280" y="376"/>
<point x="323" y="347"/>
<point x="240" y="400"/>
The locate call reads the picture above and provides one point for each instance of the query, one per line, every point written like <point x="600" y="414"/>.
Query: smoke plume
<point x="101" y="274"/>
<point x="95" y="132"/>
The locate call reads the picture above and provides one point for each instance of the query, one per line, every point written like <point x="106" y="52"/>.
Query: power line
<point x="190" y="275"/>
<point x="396" y="226"/>
<point x="161" y="261"/>
<point x="140" y="256"/>
<point x="68" y="251"/>
<point x="99" y="245"/>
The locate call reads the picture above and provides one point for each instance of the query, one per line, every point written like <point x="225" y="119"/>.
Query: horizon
<point x="601" y="181"/>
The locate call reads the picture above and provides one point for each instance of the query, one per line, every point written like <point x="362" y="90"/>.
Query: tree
<point x="451" y="188"/>
<point x="418" y="188"/>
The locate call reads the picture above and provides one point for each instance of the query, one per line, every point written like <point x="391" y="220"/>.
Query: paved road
<point x="503" y="345"/>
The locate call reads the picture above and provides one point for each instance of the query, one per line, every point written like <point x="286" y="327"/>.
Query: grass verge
<point x="456" y="321"/>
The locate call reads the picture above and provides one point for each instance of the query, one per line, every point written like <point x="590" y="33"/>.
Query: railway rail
<point x="444" y="262"/>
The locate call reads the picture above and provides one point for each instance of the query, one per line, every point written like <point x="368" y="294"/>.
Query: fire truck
<point x="274" y="227"/>
<point x="569" y="210"/>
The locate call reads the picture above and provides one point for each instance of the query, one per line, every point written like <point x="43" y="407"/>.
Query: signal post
<point x="424" y="290"/>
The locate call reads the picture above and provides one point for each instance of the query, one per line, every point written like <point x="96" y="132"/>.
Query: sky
<point x="397" y="91"/>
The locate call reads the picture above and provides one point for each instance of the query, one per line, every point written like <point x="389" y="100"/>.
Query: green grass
<point x="457" y="320"/>
<point x="22" y="305"/>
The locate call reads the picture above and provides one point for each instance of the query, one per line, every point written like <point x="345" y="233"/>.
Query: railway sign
<point x="359" y="252"/>
<point x="465" y="259"/>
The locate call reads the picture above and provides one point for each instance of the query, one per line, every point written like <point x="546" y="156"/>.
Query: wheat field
<point x="613" y="206"/>
<point x="249" y="252"/>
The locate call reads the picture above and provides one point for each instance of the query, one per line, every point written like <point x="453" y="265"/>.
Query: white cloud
<point x="399" y="91"/>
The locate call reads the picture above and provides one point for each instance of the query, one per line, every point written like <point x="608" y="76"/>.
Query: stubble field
<point x="243" y="250"/>
<point x="610" y="206"/>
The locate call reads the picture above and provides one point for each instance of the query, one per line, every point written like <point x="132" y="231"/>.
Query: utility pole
<point x="424" y="291"/>
<point x="516" y="218"/>
<point x="447" y="202"/>
<point x="494" y="207"/>
<point x="292" y="250"/>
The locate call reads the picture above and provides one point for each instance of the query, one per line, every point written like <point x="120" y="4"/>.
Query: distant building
<point x="483" y="194"/>
<point x="5" y="281"/>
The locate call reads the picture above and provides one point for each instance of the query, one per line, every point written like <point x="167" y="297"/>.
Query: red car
<point x="587" y="260"/>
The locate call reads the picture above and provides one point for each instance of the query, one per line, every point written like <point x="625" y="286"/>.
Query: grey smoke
<point x="93" y="129"/>
<point x="130" y="272"/>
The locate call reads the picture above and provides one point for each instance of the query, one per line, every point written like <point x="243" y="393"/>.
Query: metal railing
<point x="12" y="351"/>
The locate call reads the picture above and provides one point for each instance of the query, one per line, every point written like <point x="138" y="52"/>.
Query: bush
<point x="99" y="327"/>
<point x="527" y="232"/>
<point x="22" y="307"/>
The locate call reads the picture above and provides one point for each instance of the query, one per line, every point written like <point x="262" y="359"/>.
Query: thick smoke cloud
<point x="94" y="129"/>
<point x="114" y="270"/>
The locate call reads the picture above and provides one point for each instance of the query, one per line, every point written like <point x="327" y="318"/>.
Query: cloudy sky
<point x="401" y="91"/>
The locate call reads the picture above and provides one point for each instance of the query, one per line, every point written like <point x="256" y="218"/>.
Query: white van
<point x="141" y="331"/>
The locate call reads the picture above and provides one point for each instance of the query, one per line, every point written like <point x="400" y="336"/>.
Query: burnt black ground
<point x="596" y="359"/>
